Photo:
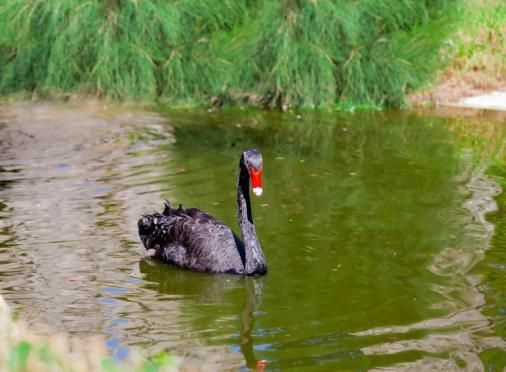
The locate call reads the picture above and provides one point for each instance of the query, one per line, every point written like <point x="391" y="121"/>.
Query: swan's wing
<point x="194" y="239"/>
<point x="194" y="213"/>
<point x="179" y="225"/>
<point x="152" y="230"/>
<point x="199" y="216"/>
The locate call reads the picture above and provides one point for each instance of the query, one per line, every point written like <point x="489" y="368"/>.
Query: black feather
<point x="193" y="239"/>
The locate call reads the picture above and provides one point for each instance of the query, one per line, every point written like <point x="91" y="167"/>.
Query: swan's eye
<point x="256" y="181"/>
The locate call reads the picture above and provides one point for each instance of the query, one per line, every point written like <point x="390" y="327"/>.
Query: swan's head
<point x="252" y="160"/>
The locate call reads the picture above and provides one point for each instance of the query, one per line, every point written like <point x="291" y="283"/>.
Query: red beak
<point x="256" y="181"/>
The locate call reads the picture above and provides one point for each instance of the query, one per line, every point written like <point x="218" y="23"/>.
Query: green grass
<point x="480" y="43"/>
<point x="22" y="351"/>
<point x="40" y="356"/>
<point x="285" y="53"/>
<point x="28" y="356"/>
<point x="473" y="59"/>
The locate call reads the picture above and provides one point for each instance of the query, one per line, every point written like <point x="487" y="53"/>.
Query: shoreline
<point x="492" y="100"/>
<point x="489" y="100"/>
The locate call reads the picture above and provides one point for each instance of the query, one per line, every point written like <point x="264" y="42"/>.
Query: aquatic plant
<point x="287" y="53"/>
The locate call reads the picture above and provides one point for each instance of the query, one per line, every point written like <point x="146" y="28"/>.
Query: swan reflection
<point x="211" y="289"/>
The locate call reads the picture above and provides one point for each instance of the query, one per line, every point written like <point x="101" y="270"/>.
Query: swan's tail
<point x="149" y="228"/>
<point x="154" y="229"/>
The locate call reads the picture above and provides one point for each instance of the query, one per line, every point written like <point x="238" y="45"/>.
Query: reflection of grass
<point x="485" y="138"/>
<point x="22" y="351"/>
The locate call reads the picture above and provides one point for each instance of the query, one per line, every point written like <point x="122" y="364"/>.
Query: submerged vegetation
<point x="286" y="53"/>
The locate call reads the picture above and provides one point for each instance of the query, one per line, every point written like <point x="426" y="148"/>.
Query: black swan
<point x="195" y="240"/>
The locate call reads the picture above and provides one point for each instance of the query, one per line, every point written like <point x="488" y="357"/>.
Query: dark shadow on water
<point x="203" y="287"/>
<point x="176" y="282"/>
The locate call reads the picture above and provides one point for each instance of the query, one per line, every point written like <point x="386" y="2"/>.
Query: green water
<point x="379" y="254"/>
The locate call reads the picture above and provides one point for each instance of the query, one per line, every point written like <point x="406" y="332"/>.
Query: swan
<point x="194" y="240"/>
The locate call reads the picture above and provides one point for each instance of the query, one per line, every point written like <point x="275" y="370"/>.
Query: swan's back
<point x="192" y="239"/>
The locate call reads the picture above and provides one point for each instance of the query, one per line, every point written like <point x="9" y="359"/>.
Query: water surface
<point x="373" y="225"/>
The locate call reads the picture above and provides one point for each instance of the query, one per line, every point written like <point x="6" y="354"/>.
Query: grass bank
<point x="474" y="58"/>
<point x="285" y="53"/>
<point x="21" y="350"/>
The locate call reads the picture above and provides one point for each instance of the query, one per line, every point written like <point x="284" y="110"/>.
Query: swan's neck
<point x="255" y="261"/>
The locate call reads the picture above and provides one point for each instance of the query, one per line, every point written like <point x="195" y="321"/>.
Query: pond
<point x="374" y="227"/>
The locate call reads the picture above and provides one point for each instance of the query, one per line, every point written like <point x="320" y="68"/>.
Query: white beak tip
<point x="257" y="191"/>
